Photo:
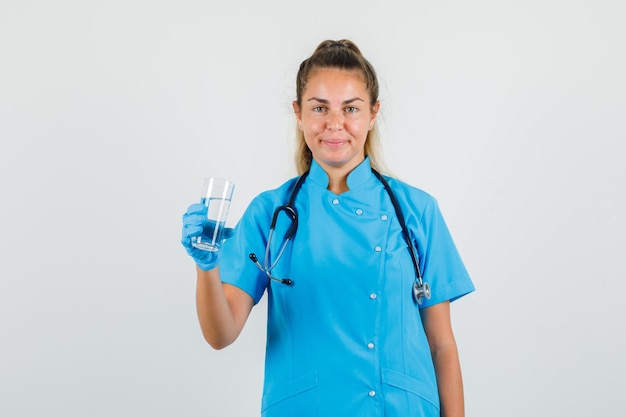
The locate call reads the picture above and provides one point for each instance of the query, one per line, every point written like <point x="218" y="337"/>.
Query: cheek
<point x="358" y="129"/>
<point x="312" y="126"/>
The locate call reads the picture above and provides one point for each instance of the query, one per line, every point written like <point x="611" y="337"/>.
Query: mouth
<point x="334" y="143"/>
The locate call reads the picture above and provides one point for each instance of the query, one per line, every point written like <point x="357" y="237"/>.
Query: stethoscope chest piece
<point x="420" y="292"/>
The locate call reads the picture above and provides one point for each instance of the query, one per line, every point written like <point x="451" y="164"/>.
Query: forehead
<point x="335" y="79"/>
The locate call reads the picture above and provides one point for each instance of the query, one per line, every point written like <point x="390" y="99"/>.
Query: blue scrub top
<point x="347" y="338"/>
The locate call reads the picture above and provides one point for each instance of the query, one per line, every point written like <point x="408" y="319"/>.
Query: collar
<point x="359" y="175"/>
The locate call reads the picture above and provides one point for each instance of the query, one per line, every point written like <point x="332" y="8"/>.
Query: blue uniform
<point x="347" y="339"/>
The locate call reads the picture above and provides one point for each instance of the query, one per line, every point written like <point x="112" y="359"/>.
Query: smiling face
<point x="335" y="116"/>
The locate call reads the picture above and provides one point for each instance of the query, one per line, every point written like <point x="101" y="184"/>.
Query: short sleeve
<point x="440" y="261"/>
<point x="236" y="267"/>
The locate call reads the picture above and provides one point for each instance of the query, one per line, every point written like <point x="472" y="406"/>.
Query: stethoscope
<point x="421" y="289"/>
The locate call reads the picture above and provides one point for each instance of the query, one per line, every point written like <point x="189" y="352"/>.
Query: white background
<point x="512" y="113"/>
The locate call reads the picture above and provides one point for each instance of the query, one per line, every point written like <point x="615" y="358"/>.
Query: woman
<point x="347" y="336"/>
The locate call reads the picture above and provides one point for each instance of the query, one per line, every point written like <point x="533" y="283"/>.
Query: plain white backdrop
<point x="513" y="114"/>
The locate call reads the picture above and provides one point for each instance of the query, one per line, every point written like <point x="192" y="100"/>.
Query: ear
<point x="296" y="111"/>
<point x="375" y="109"/>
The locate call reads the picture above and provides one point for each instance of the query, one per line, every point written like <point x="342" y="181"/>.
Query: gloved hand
<point x="193" y="221"/>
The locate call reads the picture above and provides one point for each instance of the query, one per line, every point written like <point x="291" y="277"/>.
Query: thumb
<point x="228" y="232"/>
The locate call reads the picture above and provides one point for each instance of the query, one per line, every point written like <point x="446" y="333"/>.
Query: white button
<point x="378" y="249"/>
<point x="383" y="217"/>
<point x="371" y="393"/>
<point x="373" y="296"/>
<point x="370" y="345"/>
<point x="359" y="212"/>
<point x="336" y="201"/>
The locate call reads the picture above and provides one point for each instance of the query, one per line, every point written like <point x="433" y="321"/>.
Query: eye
<point x="319" y="109"/>
<point x="351" y="109"/>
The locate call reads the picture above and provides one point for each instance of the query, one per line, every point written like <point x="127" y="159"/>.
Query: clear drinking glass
<point x="216" y="196"/>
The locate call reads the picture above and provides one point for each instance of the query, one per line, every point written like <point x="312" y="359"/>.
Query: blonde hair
<point x="342" y="54"/>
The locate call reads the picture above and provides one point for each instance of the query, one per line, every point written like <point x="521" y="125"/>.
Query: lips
<point x="334" y="142"/>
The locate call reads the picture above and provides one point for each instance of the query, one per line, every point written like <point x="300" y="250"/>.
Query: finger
<point x="196" y="208"/>
<point x="190" y="231"/>
<point x="195" y="219"/>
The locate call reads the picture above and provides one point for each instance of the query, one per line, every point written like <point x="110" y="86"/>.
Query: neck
<point x="338" y="185"/>
<point x="338" y="177"/>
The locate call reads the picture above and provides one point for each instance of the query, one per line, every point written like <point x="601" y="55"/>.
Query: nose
<point x="335" y="121"/>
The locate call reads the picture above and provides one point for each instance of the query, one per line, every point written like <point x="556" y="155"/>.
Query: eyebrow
<point x="324" y="101"/>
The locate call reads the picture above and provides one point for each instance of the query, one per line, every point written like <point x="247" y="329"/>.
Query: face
<point x="335" y="117"/>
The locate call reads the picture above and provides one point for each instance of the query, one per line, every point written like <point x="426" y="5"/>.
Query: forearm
<point x="449" y="380"/>
<point x="218" y="320"/>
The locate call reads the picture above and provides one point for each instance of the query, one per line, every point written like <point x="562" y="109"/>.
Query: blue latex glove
<point x="193" y="221"/>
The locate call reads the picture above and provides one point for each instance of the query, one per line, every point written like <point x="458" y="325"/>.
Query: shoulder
<point x="411" y="195"/>
<point x="259" y="212"/>
<point x="268" y="200"/>
<point x="279" y="193"/>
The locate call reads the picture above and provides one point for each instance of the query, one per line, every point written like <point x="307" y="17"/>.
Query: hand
<point x="193" y="222"/>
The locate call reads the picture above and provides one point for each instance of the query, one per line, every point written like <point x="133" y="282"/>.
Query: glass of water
<point x="216" y="196"/>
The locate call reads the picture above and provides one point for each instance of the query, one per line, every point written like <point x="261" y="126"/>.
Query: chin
<point x="340" y="162"/>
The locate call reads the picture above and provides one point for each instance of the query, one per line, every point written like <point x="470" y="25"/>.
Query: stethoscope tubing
<point x="420" y="288"/>
<point x="405" y="230"/>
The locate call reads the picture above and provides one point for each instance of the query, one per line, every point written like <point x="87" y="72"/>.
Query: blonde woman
<point x="360" y="268"/>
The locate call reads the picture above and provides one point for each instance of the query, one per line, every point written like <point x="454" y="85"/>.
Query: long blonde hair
<point x="345" y="55"/>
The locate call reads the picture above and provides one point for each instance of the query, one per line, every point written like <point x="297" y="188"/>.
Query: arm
<point x="222" y="308"/>
<point x="445" y="356"/>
